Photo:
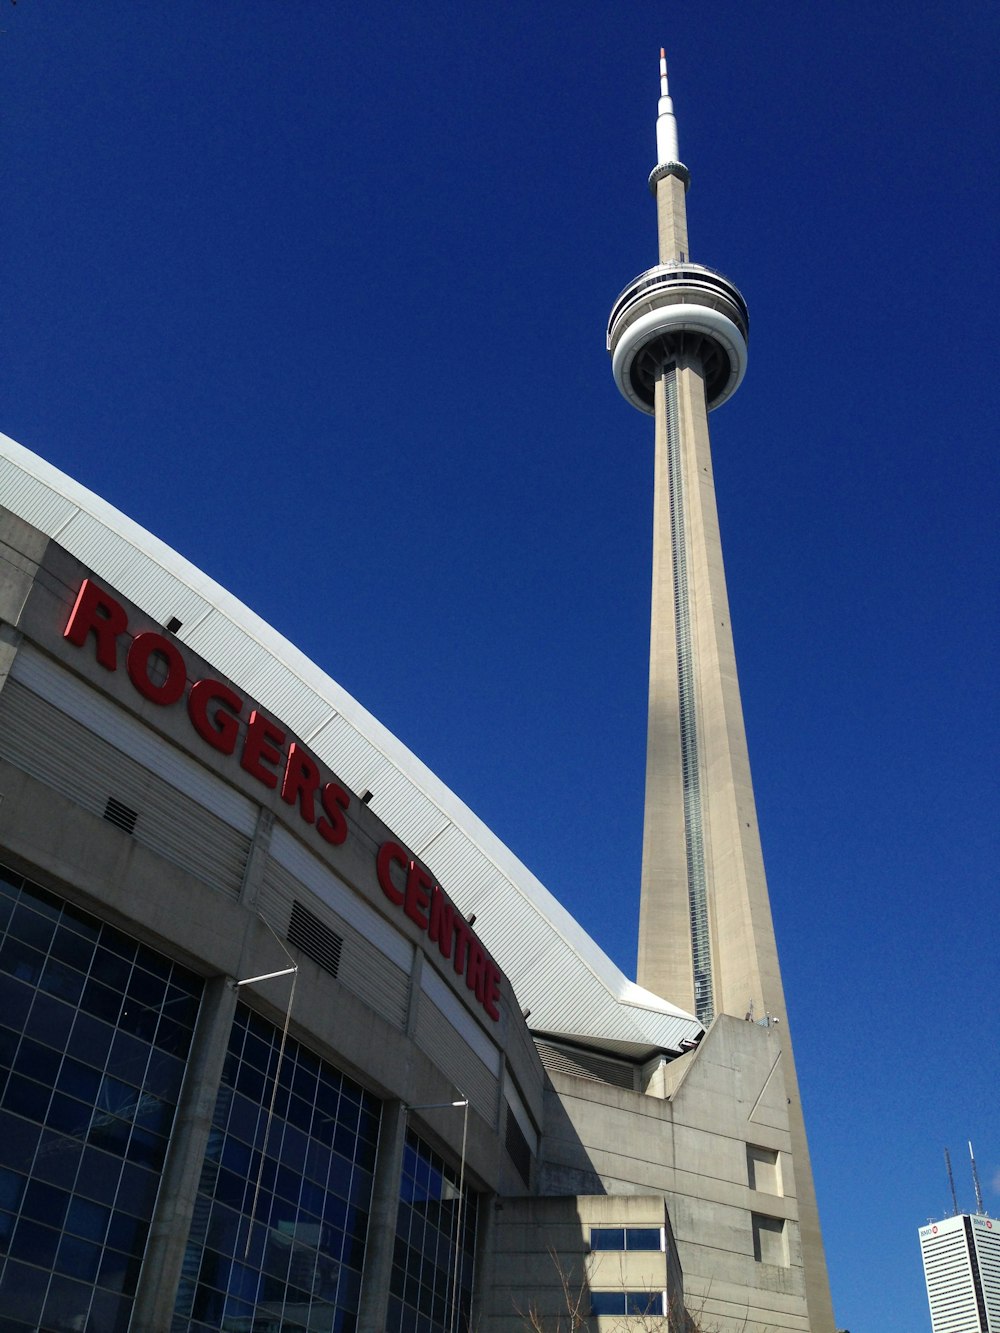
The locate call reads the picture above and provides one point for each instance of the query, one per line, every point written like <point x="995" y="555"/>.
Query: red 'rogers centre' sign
<point x="158" y="671"/>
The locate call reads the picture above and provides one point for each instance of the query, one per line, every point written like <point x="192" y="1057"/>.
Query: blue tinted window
<point x="12" y="1185"/>
<point x="72" y="949"/>
<point x="435" y="1245"/>
<point x="110" y="968"/>
<point x="15" y="999"/>
<point x="644" y="1302"/>
<point x="126" y="1233"/>
<point x="607" y="1238"/>
<point x="278" y="1183"/>
<point x="62" y="981"/>
<point x="22" y="1292"/>
<point x="83" y="1133"/>
<point x="642" y="1238"/>
<point x="626" y="1303"/>
<point x="34" y="1243"/>
<point x="88" y="1219"/>
<point x="38" y="1061"/>
<point x="68" y="1115"/>
<point x="27" y="925"/>
<point x="626" y="1238"/>
<point x="607" y="1302"/>
<point x="78" y="1258"/>
<point x="109" y="1312"/>
<point x="45" y="1203"/>
<point x="21" y="961"/>
<point x="26" y="1098"/>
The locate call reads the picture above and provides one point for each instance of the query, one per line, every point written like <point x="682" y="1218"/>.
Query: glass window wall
<point x="278" y="1236"/>
<point x="431" y="1287"/>
<point x="94" y="1033"/>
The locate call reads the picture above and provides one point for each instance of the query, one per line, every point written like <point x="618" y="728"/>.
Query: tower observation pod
<point x="677" y="308"/>
<point x="677" y="336"/>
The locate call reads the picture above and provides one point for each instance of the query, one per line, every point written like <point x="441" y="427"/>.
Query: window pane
<point x="84" y="1077"/>
<point x="426" y="1250"/>
<point x="287" y="1190"/>
<point x="643" y="1302"/>
<point x="607" y="1238"/>
<point x="607" y="1302"/>
<point x="642" y="1238"/>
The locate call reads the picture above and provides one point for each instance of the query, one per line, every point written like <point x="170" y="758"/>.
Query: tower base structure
<point x="707" y="1138"/>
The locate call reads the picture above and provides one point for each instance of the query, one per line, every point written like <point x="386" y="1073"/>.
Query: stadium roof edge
<point x="557" y="971"/>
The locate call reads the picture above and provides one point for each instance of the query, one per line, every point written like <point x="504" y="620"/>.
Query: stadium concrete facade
<point x="265" y="1059"/>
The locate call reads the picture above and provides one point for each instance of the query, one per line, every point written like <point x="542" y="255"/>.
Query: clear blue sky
<point x="317" y="293"/>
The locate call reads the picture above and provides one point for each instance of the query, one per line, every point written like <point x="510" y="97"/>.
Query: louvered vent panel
<point x="316" y="940"/>
<point x="121" y="815"/>
<point x="350" y="755"/>
<point x="32" y="499"/>
<point x="140" y="577"/>
<point x="102" y="716"/>
<point x="64" y="755"/>
<point x="582" y="1064"/>
<point x="281" y="690"/>
<point x="458" y="1061"/>
<point x="361" y="967"/>
<point x="461" y="866"/>
<point x="414" y="818"/>
<point x="324" y="887"/>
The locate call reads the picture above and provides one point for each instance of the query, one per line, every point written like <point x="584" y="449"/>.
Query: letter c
<point x="390" y="853"/>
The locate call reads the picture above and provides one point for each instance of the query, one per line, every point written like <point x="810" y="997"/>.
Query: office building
<point x="961" y="1257"/>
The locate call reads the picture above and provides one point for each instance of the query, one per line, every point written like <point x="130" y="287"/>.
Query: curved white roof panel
<point x="557" y="971"/>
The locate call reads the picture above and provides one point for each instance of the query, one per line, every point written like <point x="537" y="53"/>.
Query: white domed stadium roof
<point x="571" y="987"/>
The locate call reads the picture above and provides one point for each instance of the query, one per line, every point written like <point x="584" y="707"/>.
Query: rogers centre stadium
<point x="290" y="1039"/>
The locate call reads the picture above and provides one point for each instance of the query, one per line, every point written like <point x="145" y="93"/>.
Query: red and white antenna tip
<point x="663" y="54"/>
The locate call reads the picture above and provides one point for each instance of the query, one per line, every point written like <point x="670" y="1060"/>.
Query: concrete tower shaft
<point x="677" y="336"/>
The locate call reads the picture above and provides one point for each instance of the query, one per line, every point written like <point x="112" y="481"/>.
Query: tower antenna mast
<point x="951" y="1184"/>
<point x="975" y="1181"/>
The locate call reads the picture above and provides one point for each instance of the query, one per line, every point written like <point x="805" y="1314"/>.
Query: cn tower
<point x="678" y="336"/>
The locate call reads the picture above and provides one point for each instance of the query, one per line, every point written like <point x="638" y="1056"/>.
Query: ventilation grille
<point x="316" y="940"/>
<point x="86" y="769"/>
<point x="118" y="813"/>
<point x="360" y="966"/>
<point x="584" y="1064"/>
<point x="517" y="1148"/>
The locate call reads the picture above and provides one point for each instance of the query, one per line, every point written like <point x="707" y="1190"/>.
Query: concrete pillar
<point x="671" y="219"/>
<point x="168" y="1234"/>
<point x="483" y="1267"/>
<point x="382" y="1221"/>
<point x="664" y="963"/>
<point x="744" y="959"/>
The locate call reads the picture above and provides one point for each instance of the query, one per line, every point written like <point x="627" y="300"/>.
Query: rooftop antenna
<point x="951" y="1184"/>
<point x="975" y="1181"/>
